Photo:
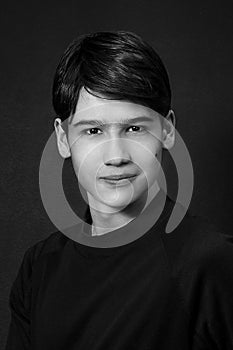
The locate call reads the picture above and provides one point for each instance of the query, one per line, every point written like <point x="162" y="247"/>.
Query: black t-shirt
<point x="161" y="291"/>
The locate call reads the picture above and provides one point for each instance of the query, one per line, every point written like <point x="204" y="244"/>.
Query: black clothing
<point x="162" y="291"/>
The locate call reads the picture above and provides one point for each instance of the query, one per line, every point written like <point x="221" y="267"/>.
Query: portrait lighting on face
<point x="114" y="143"/>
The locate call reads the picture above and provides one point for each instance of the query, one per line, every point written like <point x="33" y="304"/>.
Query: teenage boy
<point x="112" y="98"/>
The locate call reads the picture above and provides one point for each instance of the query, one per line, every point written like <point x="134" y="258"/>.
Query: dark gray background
<point x="194" y="40"/>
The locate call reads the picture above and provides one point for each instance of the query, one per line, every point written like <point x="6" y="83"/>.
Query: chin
<point x="123" y="201"/>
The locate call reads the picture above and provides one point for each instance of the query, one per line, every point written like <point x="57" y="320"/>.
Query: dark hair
<point x="117" y="64"/>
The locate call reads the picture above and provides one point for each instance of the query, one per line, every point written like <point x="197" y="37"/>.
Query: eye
<point x="134" y="126"/>
<point x="89" y="133"/>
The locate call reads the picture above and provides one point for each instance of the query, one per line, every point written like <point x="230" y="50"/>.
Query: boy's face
<point x="118" y="147"/>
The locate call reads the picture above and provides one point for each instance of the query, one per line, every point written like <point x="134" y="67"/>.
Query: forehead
<point x="89" y="107"/>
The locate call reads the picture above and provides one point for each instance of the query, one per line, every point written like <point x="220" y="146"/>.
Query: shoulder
<point x="201" y="262"/>
<point x="21" y="289"/>
<point x="55" y="242"/>
<point x="196" y="244"/>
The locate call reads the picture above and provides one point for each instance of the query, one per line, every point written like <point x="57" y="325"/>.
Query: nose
<point x="116" y="152"/>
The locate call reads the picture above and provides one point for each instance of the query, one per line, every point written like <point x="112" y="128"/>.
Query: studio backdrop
<point x="194" y="39"/>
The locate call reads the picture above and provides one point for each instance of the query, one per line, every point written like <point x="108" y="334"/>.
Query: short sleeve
<point x="20" y="306"/>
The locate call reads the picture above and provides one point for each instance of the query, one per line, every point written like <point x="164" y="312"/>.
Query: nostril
<point x="116" y="161"/>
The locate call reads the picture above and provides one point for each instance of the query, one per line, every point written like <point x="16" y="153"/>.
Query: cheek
<point x="149" y="164"/>
<point x="85" y="167"/>
<point x="147" y="155"/>
<point x="150" y="167"/>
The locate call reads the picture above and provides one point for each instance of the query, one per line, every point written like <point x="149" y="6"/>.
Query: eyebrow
<point x="121" y="122"/>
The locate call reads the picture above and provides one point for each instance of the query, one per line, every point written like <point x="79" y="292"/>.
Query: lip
<point x="120" y="181"/>
<point x="117" y="177"/>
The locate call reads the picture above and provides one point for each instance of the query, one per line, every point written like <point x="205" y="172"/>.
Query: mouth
<point x="119" y="179"/>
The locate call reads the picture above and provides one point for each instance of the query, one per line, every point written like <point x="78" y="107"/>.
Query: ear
<point x="169" y="122"/>
<point x="62" y="143"/>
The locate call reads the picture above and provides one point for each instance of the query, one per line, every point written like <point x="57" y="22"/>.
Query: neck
<point x="103" y="222"/>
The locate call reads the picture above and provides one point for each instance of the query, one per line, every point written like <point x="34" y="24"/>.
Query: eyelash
<point x="133" y="126"/>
